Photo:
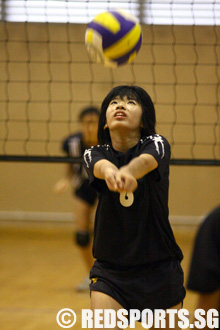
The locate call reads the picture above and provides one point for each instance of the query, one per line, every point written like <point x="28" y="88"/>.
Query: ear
<point x="141" y="126"/>
<point x="105" y="126"/>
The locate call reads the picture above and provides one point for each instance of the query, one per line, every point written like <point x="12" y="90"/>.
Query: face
<point x="126" y="113"/>
<point x="89" y="127"/>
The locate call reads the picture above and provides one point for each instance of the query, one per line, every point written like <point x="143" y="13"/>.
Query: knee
<point x="82" y="238"/>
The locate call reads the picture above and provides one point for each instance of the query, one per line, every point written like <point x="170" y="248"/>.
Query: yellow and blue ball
<point x="113" y="38"/>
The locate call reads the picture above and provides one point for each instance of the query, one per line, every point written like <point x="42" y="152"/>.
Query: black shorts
<point x="154" y="286"/>
<point x="86" y="193"/>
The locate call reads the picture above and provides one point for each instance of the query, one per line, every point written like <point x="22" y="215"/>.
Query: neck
<point x="89" y="142"/>
<point x="123" y="142"/>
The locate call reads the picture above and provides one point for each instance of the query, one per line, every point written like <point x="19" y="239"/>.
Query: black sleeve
<point x="72" y="145"/>
<point x="90" y="157"/>
<point x="157" y="146"/>
<point x="65" y="146"/>
<point x="204" y="274"/>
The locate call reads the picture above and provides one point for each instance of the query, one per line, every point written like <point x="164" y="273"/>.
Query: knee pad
<point x="82" y="238"/>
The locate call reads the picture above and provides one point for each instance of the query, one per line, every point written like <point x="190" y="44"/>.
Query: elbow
<point x="149" y="162"/>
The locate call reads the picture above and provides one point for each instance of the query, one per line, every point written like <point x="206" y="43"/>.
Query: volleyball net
<point x="46" y="76"/>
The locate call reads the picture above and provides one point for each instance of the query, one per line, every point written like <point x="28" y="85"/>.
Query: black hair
<point x="89" y="110"/>
<point x="131" y="92"/>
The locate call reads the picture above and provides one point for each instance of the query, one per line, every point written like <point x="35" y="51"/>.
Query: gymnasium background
<point x="46" y="77"/>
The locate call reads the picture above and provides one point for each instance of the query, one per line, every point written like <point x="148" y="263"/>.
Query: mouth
<point x="120" y="114"/>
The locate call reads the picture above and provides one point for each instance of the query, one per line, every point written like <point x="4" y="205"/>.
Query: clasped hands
<point x="120" y="180"/>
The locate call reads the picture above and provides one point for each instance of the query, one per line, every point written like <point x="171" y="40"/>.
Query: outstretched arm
<point x="107" y="171"/>
<point x="125" y="178"/>
<point x="140" y="166"/>
<point x="136" y="169"/>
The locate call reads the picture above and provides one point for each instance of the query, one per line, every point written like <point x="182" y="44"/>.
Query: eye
<point x="131" y="102"/>
<point x="113" y="102"/>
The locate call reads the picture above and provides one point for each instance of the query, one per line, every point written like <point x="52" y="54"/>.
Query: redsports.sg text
<point x="108" y="318"/>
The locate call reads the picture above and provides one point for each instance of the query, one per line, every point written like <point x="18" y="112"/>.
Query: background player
<point x="204" y="274"/>
<point x="137" y="258"/>
<point x="85" y="196"/>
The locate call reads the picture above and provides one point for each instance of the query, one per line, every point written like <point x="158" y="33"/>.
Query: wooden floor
<point x="39" y="269"/>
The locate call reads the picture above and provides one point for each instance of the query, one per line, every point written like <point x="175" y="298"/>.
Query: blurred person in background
<point x="85" y="196"/>
<point x="204" y="273"/>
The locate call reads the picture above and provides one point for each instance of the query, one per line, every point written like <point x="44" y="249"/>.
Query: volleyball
<point x="113" y="38"/>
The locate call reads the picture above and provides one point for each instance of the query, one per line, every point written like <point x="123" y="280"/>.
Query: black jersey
<point x="204" y="275"/>
<point x="73" y="146"/>
<point x="140" y="233"/>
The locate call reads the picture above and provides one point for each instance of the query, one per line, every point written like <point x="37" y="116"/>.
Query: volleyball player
<point x="204" y="274"/>
<point x="137" y="262"/>
<point x="84" y="195"/>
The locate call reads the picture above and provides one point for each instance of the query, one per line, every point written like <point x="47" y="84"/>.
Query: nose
<point x="120" y="105"/>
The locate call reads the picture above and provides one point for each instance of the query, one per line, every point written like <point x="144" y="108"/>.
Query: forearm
<point x="101" y="167"/>
<point x="69" y="171"/>
<point x="140" y="166"/>
<point x="63" y="184"/>
<point x="124" y="179"/>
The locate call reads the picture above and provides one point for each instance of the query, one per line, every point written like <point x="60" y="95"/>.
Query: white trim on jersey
<point x="74" y="144"/>
<point x="158" y="140"/>
<point x="88" y="153"/>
